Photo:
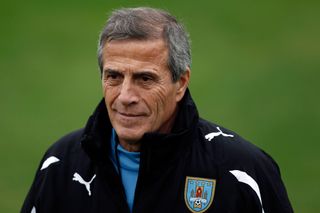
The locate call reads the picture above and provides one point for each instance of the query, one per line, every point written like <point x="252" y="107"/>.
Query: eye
<point x="112" y="77"/>
<point x="111" y="74"/>
<point x="146" y="78"/>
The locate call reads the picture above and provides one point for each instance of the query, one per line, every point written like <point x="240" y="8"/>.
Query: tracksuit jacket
<point x="198" y="167"/>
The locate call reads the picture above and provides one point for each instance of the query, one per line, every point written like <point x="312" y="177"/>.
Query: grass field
<point x="256" y="70"/>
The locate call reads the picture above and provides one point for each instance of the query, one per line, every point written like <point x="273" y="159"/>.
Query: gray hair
<point x="149" y="23"/>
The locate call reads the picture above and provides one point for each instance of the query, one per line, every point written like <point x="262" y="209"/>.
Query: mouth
<point x="128" y="119"/>
<point x="130" y="115"/>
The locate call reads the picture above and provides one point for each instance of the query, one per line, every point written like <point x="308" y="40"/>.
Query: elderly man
<point x="145" y="149"/>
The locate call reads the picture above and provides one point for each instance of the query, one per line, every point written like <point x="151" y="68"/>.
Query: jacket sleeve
<point x="30" y="201"/>
<point x="273" y="191"/>
<point x="263" y="182"/>
<point x="40" y="188"/>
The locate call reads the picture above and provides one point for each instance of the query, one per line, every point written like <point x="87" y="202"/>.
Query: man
<point x="145" y="149"/>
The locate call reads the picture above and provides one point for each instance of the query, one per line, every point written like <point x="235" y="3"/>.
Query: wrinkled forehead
<point x="151" y="48"/>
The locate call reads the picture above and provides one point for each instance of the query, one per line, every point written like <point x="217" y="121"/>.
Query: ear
<point x="182" y="84"/>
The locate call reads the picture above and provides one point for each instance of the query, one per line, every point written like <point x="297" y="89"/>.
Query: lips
<point x="128" y="119"/>
<point x="130" y="114"/>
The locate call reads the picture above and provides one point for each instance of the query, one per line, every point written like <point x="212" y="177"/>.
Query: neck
<point x="130" y="146"/>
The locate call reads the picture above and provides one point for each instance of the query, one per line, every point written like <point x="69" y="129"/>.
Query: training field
<point x="256" y="71"/>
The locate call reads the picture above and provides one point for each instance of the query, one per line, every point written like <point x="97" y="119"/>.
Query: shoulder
<point x="241" y="161"/>
<point x="67" y="143"/>
<point x="55" y="171"/>
<point x="230" y="150"/>
<point x="64" y="151"/>
<point x="61" y="159"/>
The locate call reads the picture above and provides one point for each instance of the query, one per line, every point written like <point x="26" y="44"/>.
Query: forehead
<point x="152" y="51"/>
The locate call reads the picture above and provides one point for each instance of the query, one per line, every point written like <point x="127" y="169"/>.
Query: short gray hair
<point x="149" y="23"/>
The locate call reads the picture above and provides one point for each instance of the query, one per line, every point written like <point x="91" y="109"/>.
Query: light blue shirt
<point x="128" y="165"/>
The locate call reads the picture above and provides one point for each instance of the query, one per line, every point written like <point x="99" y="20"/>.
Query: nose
<point x="128" y="94"/>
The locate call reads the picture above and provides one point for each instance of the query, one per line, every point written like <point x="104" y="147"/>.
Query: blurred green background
<point x="256" y="70"/>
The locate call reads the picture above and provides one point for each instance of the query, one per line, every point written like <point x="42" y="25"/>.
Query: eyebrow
<point x="108" y="71"/>
<point x="142" y="73"/>
<point x="135" y="73"/>
<point x="111" y="71"/>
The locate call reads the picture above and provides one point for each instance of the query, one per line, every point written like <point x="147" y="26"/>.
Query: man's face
<point x="139" y="92"/>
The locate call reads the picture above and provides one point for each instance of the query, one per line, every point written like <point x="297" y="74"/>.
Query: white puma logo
<point x="77" y="177"/>
<point x="211" y="135"/>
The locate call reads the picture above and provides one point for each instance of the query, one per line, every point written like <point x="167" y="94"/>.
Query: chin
<point x="130" y="136"/>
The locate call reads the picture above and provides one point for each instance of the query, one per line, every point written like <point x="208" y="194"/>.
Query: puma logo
<point x="77" y="177"/>
<point x="211" y="135"/>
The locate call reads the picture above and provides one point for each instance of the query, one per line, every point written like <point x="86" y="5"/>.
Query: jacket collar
<point x="96" y="137"/>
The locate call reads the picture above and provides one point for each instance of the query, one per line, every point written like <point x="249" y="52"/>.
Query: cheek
<point x="104" y="88"/>
<point x="109" y="95"/>
<point x="164" y="102"/>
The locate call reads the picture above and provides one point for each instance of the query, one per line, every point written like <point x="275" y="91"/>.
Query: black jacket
<point x="199" y="167"/>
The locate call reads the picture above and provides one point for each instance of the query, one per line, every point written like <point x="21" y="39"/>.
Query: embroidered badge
<point x="199" y="193"/>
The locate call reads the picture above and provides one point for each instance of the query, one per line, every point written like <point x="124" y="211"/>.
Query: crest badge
<point x="199" y="193"/>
